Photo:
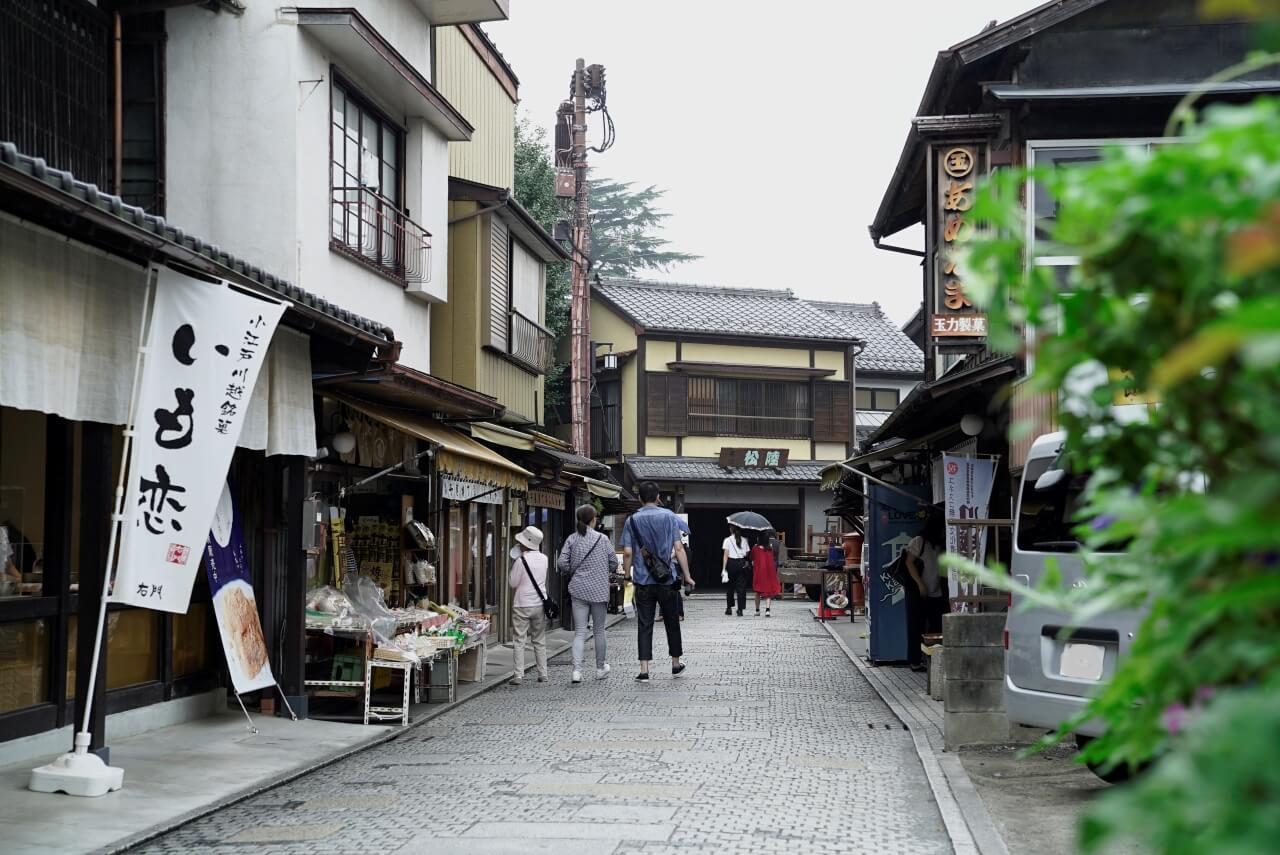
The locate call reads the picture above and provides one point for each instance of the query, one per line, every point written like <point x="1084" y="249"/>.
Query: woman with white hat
<point x="528" y="621"/>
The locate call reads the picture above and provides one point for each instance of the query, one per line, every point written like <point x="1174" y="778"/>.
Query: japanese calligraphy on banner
<point x="957" y="169"/>
<point x="206" y="345"/>
<point x="234" y="604"/>
<point x="966" y="490"/>
<point x="754" y="458"/>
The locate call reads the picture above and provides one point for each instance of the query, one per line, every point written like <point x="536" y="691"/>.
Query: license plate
<point x="1082" y="661"/>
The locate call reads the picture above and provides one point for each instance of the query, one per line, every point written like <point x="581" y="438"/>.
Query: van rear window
<point x="1046" y="517"/>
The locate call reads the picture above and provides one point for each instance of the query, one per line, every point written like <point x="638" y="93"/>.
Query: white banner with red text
<point x="967" y="485"/>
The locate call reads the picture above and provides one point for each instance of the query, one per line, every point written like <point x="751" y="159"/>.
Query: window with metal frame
<point x="368" y="218"/>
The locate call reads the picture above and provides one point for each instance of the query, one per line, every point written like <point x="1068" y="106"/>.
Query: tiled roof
<point x="676" y="307"/>
<point x="36" y="168"/>
<point x="682" y="469"/>
<point x="888" y="348"/>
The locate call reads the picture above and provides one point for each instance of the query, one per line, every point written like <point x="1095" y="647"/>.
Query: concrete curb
<point x="964" y="815"/>
<point x="262" y="786"/>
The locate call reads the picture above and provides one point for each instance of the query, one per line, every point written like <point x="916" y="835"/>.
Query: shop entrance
<point x="710" y="530"/>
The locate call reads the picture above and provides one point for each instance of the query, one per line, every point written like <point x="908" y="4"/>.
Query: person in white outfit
<point x="528" y="621"/>
<point x="589" y="560"/>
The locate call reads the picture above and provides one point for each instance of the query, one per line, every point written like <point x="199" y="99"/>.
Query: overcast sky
<point x="774" y="126"/>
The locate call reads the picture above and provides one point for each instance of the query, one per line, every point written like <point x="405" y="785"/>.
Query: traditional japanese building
<point x="735" y="399"/>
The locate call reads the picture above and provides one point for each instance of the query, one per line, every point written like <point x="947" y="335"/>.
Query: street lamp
<point x="609" y="360"/>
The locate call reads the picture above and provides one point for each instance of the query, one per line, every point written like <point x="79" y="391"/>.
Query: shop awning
<point x="503" y="436"/>
<point x="459" y="455"/>
<point x="602" y="489"/>
<point x="832" y="475"/>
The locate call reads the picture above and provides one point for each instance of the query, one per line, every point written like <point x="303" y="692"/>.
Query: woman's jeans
<point x="598" y="613"/>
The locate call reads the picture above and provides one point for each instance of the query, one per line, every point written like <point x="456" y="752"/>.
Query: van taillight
<point x="1005" y="636"/>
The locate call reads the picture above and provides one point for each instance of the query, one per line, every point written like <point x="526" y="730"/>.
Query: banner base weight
<point x="77" y="775"/>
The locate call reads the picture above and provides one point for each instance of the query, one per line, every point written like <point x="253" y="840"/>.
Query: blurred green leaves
<point x="1176" y="298"/>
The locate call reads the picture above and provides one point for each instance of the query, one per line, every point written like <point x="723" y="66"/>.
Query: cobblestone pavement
<point x="770" y="742"/>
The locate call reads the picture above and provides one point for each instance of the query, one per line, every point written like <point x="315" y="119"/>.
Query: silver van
<point x="1050" y="674"/>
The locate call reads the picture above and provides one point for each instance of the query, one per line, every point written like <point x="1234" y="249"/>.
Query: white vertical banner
<point x="206" y="345"/>
<point x="966" y="485"/>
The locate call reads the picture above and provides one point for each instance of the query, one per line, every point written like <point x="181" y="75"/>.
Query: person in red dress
<point x="764" y="574"/>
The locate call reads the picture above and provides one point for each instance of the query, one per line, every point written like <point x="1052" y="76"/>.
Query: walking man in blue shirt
<point x="650" y="542"/>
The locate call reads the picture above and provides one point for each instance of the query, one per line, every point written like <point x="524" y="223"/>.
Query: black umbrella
<point x="750" y="520"/>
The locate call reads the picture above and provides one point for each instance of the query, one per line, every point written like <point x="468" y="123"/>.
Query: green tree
<point x="625" y="226"/>
<point x="624" y="235"/>
<point x="1176" y="294"/>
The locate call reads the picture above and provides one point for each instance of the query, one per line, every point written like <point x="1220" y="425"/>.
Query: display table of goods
<point x="428" y="636"/>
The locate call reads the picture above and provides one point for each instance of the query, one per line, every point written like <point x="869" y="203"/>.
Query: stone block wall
<point x="973" y="680"/>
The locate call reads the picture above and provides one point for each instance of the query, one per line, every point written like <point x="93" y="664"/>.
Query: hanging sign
<point x="206" y="345"/>
<point x="957" y="168"/>
<point x="234" y="604"/>
<point x="966" y="490"/>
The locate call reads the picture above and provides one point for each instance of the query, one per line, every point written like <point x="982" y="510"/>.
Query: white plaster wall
<point x="815" y="502"/>
<point x="248" y="155"/>
<point x="903" y="385"/>
<point x="230" y="130"/>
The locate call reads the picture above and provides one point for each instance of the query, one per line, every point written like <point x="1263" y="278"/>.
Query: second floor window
<point x="725" y="406"/>
<point x="366" y="167"/>
<point x="883" y="400"/>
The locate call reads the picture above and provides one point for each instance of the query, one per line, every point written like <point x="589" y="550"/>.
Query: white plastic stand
<point x="79" y="773"/>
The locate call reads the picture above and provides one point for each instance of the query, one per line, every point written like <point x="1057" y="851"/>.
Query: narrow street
<point x="770" y="742"/>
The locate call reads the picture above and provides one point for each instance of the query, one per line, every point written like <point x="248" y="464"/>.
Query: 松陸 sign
<point x="753" y="458"/>
<point x="206" y="345"/>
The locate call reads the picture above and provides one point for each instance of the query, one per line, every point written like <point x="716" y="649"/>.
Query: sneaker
<point x="517" y="680"/>
<point x="542" y="678"/>
<point x="577" y="676"/>
<point x="677" y="670"/>
<point x="768" y="613"/>
<point x="728" y="611"/>
<point x="739" y="612"/>
<point x="643" y="678"/>
<point x="601" y="673"/>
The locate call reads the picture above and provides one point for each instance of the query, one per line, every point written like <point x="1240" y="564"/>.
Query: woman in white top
<point x="735" y="568"/>
<point x="528" y="622"/>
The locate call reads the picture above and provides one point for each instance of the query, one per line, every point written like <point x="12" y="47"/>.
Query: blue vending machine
<point x="892" y="521"/>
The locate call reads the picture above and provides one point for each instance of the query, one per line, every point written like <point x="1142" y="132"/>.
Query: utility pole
<point x="580" y="301"/>
<point x="571" y="160"/>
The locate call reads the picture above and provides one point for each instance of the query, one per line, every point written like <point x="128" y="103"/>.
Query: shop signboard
<point x="753" y="458"/>
<point x="966" y="491"/>
<point x="892" y="520"/>
<point x="234" y="604"/>
<point x="461" y="490"/>
<point x="206" y="344"/>
<point x="957" y="167"/>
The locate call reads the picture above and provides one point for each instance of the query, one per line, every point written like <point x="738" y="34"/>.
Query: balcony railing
<point x="54" y="79"/>
<point x="370" y="228"/>
<point x="531" y="343"/>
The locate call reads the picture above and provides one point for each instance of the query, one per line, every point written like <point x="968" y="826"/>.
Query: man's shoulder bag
<point x="659" y="570"/>
<point x="550" y="609"/>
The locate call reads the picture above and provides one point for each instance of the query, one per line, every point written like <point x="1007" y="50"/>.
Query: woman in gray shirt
<point x="590" y="558"/>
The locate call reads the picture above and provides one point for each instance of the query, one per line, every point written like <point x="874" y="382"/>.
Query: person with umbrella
<point x="764" y="569"/>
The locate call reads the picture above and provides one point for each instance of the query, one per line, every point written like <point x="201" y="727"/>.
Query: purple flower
<point x="1175" y="718"/>
<point x="1102" y="522"/>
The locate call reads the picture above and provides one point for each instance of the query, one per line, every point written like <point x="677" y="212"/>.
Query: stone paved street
<point x="770" y="742"/>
